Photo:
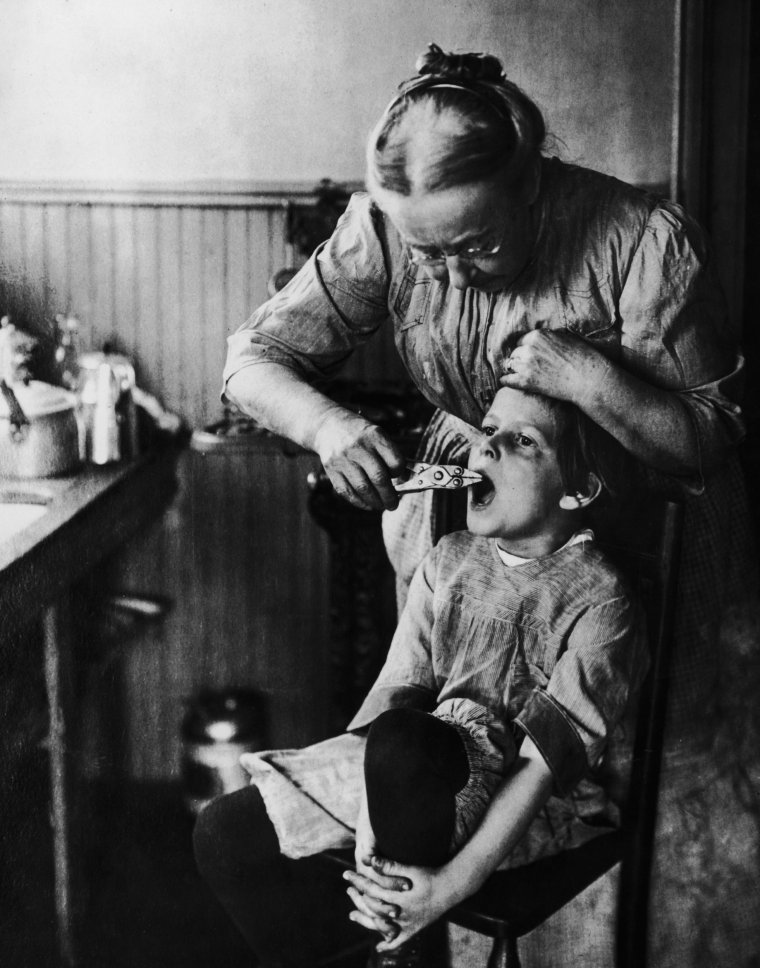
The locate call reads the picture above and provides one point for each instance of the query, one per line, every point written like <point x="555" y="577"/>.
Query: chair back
<point x="645" y="542"/>
<point x="642" y="536"/>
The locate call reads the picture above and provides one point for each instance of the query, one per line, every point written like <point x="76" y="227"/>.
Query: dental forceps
<point x="447" y="477"/>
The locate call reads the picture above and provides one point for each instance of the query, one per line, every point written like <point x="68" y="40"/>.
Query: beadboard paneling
<point x="165" y="278"/>
<point x="164" y="283"/>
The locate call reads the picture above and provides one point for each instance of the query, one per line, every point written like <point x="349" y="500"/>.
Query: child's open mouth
<point x="482" y="493"/>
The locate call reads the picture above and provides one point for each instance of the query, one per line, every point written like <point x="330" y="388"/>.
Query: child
<point x="521" y="640"/>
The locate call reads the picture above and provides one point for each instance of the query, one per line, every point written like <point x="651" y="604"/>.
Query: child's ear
<point x="572" y="502"/>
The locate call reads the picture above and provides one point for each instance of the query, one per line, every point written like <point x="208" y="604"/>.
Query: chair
<point x="645" y="544"/>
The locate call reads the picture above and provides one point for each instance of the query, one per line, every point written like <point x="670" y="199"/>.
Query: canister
<point x="39" y="434"/>
<point x="106" y="382"/>
<point x="217" y="728"/>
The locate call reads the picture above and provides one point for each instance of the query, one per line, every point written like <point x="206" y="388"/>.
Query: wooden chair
<point x="645" y="543"/>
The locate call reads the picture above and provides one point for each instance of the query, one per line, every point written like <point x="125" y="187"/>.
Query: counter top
<point x="89" y="515"/>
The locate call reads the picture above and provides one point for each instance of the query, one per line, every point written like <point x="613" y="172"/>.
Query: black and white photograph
<point x="379" y="484"/>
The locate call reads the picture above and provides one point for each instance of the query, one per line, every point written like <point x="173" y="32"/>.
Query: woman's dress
<point x="632" y="275"/>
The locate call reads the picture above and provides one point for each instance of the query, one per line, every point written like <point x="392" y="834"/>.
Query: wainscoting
<point x="164" y="275"/>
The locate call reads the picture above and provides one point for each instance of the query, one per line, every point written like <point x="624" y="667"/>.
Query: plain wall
<point x="287" y="90"/>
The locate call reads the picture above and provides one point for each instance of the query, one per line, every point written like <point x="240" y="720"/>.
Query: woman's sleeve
<point x="588" y="691"/>
<point x="675" y="331"/>
<point x="407" y="678"/>
<point x="334" y="303"/>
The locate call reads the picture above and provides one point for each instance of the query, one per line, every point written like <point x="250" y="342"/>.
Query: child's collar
<point x="510" y="560"/>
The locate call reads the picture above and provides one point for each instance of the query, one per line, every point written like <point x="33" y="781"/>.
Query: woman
<point x="499" y="266"/>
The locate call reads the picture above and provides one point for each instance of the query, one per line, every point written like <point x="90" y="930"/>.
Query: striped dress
<point x="632" y="275"/>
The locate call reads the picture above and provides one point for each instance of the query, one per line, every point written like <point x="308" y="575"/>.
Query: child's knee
<point x="398" y="740"/>
<point x="405" y="743"/>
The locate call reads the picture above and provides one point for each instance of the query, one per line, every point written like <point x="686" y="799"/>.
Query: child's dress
<point x="552" y="648"/>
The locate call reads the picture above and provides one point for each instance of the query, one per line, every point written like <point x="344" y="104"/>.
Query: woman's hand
<point x="359" y="460"/>
<point x="357" y="456"/>
<point x="556" y="363"/>
<point x="417" y="895"/>
<point x="651" y="423"/>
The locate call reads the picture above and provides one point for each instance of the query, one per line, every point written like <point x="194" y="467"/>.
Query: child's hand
<point x="428" y="894"/>
<point x="417" y="895"/>
<point x="371" y="912"/>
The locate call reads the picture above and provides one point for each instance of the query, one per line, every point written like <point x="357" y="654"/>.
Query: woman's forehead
<point x="447" y="215"/>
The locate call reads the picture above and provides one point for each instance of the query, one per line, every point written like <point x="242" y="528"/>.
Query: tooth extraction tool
<point x="446" y="477"/>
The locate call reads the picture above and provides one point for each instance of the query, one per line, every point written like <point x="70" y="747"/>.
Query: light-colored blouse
<point x="628" y="272"/>
<point x="555" y="645"/>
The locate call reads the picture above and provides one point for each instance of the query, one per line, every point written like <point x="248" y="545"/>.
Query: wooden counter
<point x="89" y="516"/>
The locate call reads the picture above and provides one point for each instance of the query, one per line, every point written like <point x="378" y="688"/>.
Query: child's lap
<point x="312" y="796"/>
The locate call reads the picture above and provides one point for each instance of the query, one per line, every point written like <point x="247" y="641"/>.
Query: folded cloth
<point x="312" y="795"/>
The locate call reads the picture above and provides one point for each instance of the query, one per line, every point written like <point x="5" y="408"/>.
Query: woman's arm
<point x="652" y="424"/>
<point x="672" y="398"/>
<point x="421" y="895"/>
<point x="301" y="337"/>
<point x="357" y="456"/>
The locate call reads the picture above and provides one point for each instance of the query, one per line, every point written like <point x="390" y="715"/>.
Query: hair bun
<point x="461" y="67"/>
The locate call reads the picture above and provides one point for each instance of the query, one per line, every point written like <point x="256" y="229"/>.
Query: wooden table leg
<point x="59" y="681"/>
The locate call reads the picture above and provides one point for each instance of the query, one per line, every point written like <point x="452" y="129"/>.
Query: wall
<point x="249" y="96"/>
<point x="238" y="554"/>
<point x="155" y="90"/>
<point x="164" y="278"/>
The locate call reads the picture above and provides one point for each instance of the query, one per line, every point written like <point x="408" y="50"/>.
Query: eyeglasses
<point x="431" y="256"/>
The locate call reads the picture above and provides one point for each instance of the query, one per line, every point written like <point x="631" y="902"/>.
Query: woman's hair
<point x="583" y="448"/>
<point x="457" y="121"/>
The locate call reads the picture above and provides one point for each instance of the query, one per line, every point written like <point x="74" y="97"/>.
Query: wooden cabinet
<point x="247" y="569"/>
<point x="42" y="570"/>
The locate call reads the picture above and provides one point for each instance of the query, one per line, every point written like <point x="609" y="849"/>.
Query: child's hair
<point x="583" y="448"/>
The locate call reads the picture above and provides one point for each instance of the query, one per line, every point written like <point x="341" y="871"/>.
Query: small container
<point x="67" y="350"/>
<point x="39" y="435"/>
<point x="106" y="384"/>
<point x="104" y="445"/>
<point x="217" y="728"/>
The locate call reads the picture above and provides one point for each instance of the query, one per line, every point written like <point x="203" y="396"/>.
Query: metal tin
<point x="39" y="434"/>
<point x="217" y="728"/>
<point x="106" y="382"/>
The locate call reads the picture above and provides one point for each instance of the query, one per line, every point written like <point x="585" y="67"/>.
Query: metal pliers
<point x="447" y="477"/>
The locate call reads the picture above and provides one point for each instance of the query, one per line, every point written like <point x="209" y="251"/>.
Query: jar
<point x="106" y="385"/>
<point x="217" y="728"/>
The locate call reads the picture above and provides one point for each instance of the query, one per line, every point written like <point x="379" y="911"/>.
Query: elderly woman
<point x="498" y="266"/>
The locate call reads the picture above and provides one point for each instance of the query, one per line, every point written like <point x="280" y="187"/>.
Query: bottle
<point x="103" y="445"/>
<point x="67" y="350"/>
